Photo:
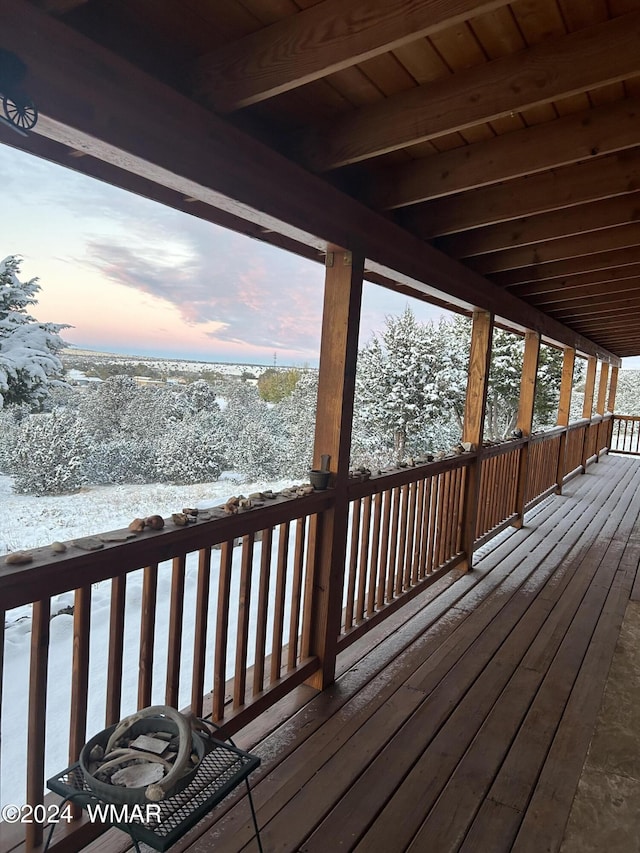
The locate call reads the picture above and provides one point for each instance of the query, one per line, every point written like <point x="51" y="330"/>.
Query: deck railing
<point x="625" y="434"/>
<point x="238" y="593"/>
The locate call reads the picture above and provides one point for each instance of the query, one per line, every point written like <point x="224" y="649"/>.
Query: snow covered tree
<point x="410" y="388"/>
<point x="28" y="349"/>
<point x="50" y="453"/>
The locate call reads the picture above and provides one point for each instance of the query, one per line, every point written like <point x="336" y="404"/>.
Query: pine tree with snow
<point x="29" y="361"/>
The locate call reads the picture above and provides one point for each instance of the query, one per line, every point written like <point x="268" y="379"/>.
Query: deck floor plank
<point x="469" y="721"/>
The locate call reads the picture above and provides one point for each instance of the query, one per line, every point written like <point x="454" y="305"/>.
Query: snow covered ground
<point x="28" y="522"/>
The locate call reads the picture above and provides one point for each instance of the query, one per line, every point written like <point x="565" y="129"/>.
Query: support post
<point x="336" y="388"/>
<point x="525" y="415"/>
<point x="600" y="406"/>
<point x="587" y="406"/>
<point x="473" y="430"/>
<point x="611" y="402"/>
<point x="564" y="408"/>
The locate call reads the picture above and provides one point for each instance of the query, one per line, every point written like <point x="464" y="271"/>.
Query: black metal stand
<point x="221" y="770"/>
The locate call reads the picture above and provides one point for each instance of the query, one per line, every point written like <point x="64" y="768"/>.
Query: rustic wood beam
<point x="336" y="389"/>
<point x="613" y="386"/>
<point x="473" y="424"/>
<point x="591" y="57"/>
<point x="526" y="403"/>
<point x="598" y="178"/>
<point x="579" y="136"/>
<point x="595" y="298"/>
<point x="94" y="102"/>
<point x="589" y="386"/>
<point x="570" y="265"/>
<point x="564" y="412"/>
<point x="602" y="308"/>
<point x="591" y="245"/>
<point x="319" y="41"/>
<point x="602" y="388"/>
<point x="606" y="213"/>
<point x="619" y="323"/>
<point x="580" y="286"/>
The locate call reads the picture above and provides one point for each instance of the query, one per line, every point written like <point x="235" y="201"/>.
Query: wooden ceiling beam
<point x="552" y="69"/>
<point x="579" y="136"/>
<point x="95" y="102"/>
<point x="615" y="324"/>
<point x="515" y="233"/>
<point x="548" y="293"/>
<point x="576" y="246"/>
<point x="318" y="41"/>
<point x="589" y="308"/>
<point x="598" y="178"/>
<point x="602" y="262"/>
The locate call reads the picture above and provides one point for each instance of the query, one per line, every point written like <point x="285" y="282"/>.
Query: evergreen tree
<point x="28" y="349"/>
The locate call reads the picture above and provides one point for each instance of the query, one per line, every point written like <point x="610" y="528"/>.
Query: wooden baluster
<point x="80" y="671"/>
<point x="176" y="609"/>
<point x="424" y="534"/>
<point x="384" y="548"/>
<point x="372" y="588"/>
<point x="433" y="523"/>
<point x="263" y="610"/>
<point x="400" y="566"/>
<point x="200" y="630"/>
<point x="353" y="565"/>
<point x="222" y="631"/>
<point x="393" y="546"/>
<point x="296" y="594"/>
<point x="147" y="635"/>
<point x="415" y="561"/>
<point x="315" y="522"/>
<point x="36" y="725"/>
<point x="278" y="615"/>
<point x="242" y="634"/>
<point x="564" y="408"/>
<point x="411" y="528"/>
<point x="113" y="710"/>
<point x="364" y="558"/>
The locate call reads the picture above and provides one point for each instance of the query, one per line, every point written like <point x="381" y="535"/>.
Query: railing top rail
<point x="403" y="476"/>
<point x="503" y="447"/>
<point x="633" y="418"/>
<point x="49" y="573"/>
<point x="554" y="432"/>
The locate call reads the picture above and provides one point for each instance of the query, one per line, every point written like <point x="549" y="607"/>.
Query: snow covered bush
<point x="49" y="454"/>
<point x="28" y="350"/>
<point x="192" y="451"/>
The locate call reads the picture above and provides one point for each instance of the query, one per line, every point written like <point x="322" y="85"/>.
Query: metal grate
<point x="219" y="772"/>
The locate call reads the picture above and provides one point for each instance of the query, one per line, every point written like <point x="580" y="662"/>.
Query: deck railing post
<point x="601" y="403"/>
<point x="525" y="415"/>
<point x="564" y="408"/>
<point x="336" y="388"/>
<point x="587" y="406"/>
<point x="611" y="402"/>
<point x="473" y="430"/>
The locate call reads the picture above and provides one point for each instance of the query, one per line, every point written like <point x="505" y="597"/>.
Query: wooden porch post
<point x="525" y="415"/>
<point x="473" y="429"/>
<point x="587" y="406"/>
<point x="564" y="408"/>
<point x="336" y="387"/>
<point x="613" y="387"/>
<point x="602" y="388"/>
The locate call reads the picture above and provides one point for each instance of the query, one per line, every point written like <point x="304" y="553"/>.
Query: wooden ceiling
<point x="506" y="135"/>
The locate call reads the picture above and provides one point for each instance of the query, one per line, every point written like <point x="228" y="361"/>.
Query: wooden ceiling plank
<point x="93" y="101"/>
<point x="316" y="42"/>
<point x="606" y="303"/>
<point x="569" y="266"/>
<point x="592" y="244"/>
<point x="560" y="67"/>
<point x="620" y="210"/>
<point x="604" y="130"/>
<point x="600" y="177"/>
<point x="554" y="291"/>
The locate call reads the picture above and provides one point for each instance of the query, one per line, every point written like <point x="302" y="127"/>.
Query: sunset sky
<point x="133" y="276"/>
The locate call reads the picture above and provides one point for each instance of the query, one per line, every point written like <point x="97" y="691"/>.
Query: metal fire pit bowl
<point x="136" y="796"/>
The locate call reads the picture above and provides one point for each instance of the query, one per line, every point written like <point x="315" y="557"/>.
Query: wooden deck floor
<point x="463" y="722"/>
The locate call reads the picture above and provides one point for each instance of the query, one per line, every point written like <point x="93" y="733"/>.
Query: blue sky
<point x="133" y="276"/>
